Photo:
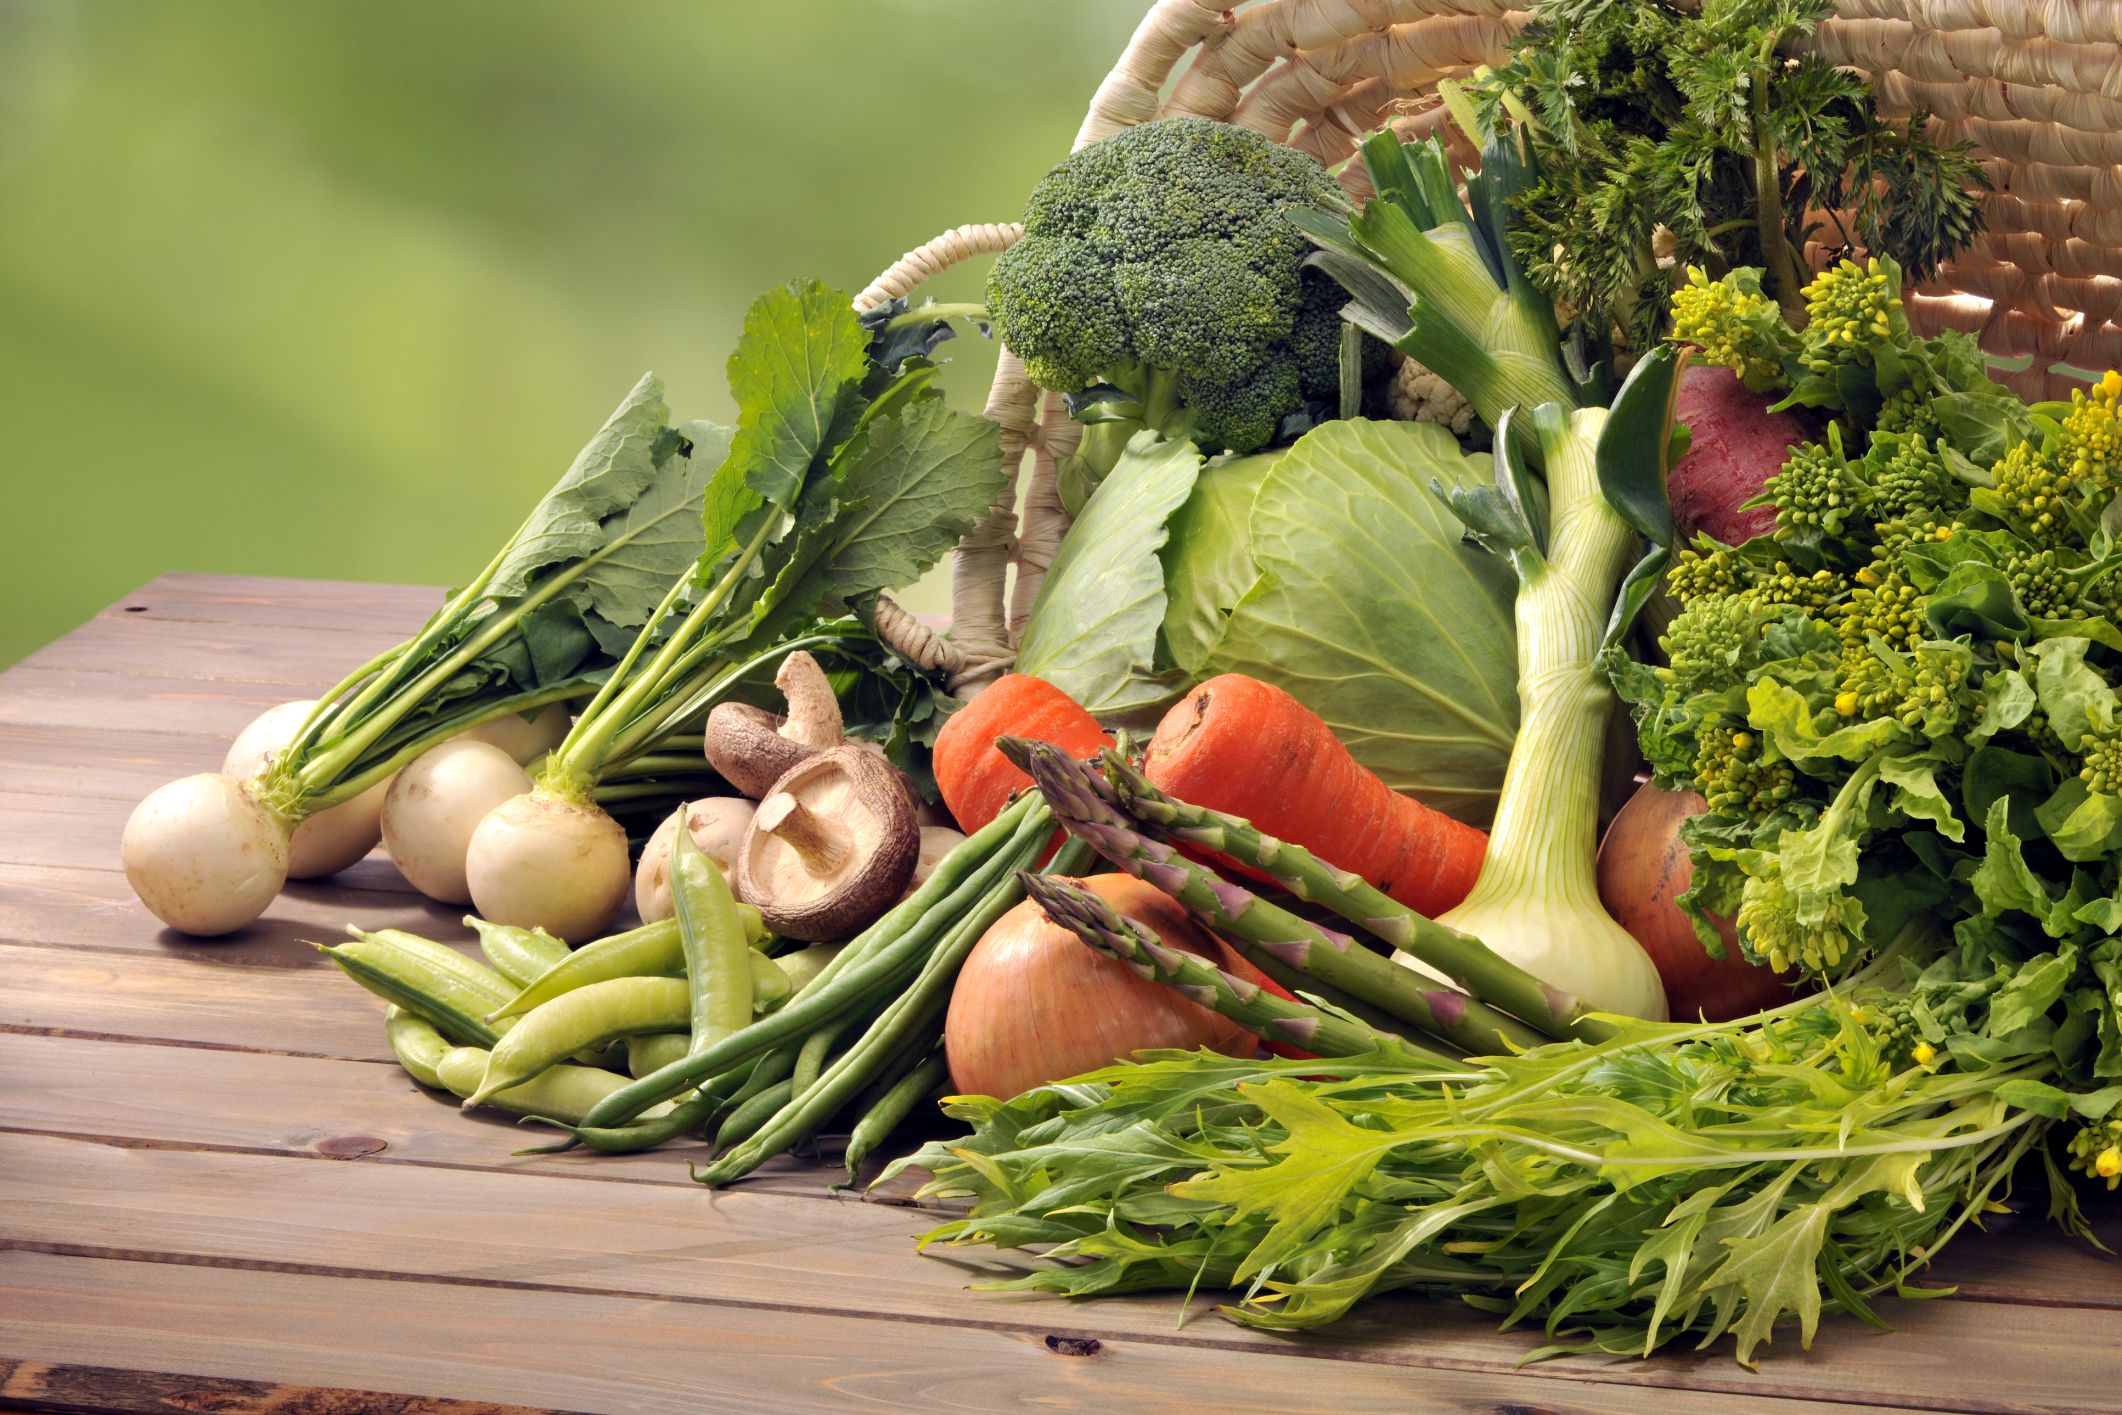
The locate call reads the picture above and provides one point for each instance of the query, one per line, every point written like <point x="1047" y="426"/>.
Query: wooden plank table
<point x="216" y="1192"/>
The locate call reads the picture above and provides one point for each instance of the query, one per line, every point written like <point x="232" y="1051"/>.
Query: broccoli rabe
<point x="2095" y="1149"/>
<point x="1161" y="282"/>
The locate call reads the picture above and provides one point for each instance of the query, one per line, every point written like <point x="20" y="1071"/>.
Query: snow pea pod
<point x="445" y="998"/>
<point x="520" y="955"/>
<point x="416" y="1044"/>
<point x="562" y="1093"/>
<point x="587" y="1017"/>
<point x="652" y="1051"/>
<point x="653" y="950"/>
<point x="718" y="956"/>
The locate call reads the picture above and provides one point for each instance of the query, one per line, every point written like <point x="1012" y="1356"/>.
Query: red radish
<point x="1033" y="1004"/>
<point x="976" y="780"/>
<point x="1737" y="445"/>
<point x="1643" y="870"/>
<point x="1236" y="744"/>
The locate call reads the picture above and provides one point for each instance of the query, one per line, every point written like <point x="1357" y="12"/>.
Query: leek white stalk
<point x="1536" y="901"/>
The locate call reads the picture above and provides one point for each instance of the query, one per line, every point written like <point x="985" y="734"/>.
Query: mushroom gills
<point x="831" y="846"/>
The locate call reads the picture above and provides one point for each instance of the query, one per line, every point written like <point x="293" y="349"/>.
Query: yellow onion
<point x="1035" y="1004"/>
<point x="1643" y="870"/>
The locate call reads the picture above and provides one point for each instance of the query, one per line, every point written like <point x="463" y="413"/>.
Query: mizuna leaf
<point x="1323" y="1158"/>
<point x="1774" y="1274"/>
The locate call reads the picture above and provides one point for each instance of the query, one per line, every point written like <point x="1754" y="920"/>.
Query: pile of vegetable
<point x="1328" y="986"/>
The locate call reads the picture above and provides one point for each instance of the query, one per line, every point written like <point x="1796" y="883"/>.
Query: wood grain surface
<point x="216" y="1192"/>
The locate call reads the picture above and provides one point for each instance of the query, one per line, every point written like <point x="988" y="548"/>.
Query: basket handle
<point x="979" y="646"/>
<point x="936" y="255"/>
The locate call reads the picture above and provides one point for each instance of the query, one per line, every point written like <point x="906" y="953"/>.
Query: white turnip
<point x="434" y="806"/>
<point x="1736" y="446"/>
<point x="203" y="855"/>
<point x="717" y="824"/>
<point x="524" y="738"/>
<point x="545" y="861"/>
<point x="333" y="838"/>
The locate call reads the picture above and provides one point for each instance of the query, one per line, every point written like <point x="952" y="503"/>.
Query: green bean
<point x="451" y="1004"/>
<point x="587" y="1017"/>
<point x="731" y="1088"/>
<point x="913" y="1013"/>
<point x="879" y="1120"/>
<point x="889" y="950"/>
<point x="816" y="1047"/>
<point x="520" y="955"/>
<point x="561" y="1093"/>
<point x="718" y="957"/>
<point x="416" y="1044"/>
<point x="652" y="1051"/>
<point x="805" y="964"/>
<point x="651" y="951"/>
<point x="746" y="1119"/>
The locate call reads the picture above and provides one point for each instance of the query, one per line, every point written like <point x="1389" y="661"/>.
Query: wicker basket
<point x="2035" y="85"/>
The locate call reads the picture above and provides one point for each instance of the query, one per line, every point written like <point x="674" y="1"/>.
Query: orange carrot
<point x="976" y="780"/>
<point x="1236" y="744"/>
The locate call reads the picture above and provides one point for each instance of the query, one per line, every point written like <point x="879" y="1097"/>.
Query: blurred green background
<point x="338" y="290"/>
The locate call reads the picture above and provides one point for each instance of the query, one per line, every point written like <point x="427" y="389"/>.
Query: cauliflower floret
<point x="1415" y="395"/>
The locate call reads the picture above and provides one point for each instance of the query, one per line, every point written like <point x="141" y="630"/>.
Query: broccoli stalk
<point x="1161" y="285"/>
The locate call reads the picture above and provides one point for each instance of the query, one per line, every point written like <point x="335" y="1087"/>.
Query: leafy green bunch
<point x="1902" y="702"/>
<point x="1674" y="1182"/>
<point x="1698" y="126"/>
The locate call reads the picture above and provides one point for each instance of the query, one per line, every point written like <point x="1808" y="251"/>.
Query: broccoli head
<point x="1160" y="263"/>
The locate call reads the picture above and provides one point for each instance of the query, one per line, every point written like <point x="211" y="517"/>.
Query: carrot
<point x="976" y="780"/>
<point x="1236" y="744"/>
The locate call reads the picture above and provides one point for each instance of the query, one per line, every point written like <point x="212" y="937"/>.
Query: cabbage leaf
<point x="1370" y="608"/>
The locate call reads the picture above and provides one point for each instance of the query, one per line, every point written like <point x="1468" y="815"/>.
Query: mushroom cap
<point x="831" y="847"/>
<point x="745" y="744"/>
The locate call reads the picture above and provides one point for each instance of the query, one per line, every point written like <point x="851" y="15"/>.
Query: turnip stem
<point x="574" y="764"/>
<point x="323" y="769"/>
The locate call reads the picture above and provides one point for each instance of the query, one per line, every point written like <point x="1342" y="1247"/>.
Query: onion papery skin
<point x="1034" y="1004"/>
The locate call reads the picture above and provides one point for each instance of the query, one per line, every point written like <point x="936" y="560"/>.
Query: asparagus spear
<point x="1197" y="980"/>
<point x="1083" y="802"/>
<point x="1460" y="956"/>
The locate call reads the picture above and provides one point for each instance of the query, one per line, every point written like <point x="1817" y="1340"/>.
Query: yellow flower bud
<point x="1846" y="703"/>
<point x="1925" y="1053"/>
<point x="1742" y="740"/>
<point x="1943" y="533"/>
<point x="2111" y="384"/>
<point x="2109" y="1163"/>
